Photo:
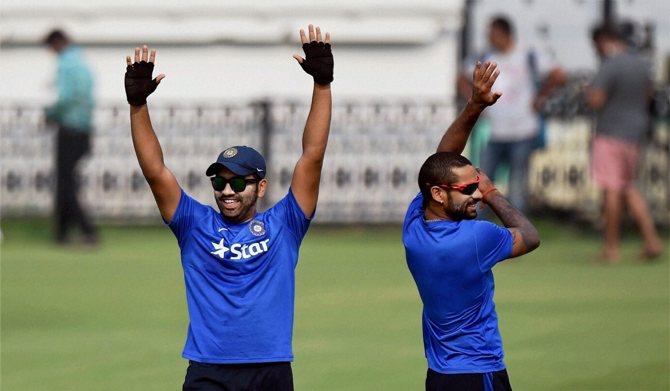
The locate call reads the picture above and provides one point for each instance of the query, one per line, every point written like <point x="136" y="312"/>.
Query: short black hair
<point x="503" y="23"/>
<point x="607" y="30"/>
<point x="438" y="169"/>
<point x="54" y="36"/>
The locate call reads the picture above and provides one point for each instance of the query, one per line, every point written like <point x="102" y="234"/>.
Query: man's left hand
<point x="482" y="81"/>
<point x="485" y="184"/>
<point x="318" y="61"/>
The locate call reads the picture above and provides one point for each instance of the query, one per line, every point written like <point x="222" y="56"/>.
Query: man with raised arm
<point x="450" y="255"/>
<point x="239" y="263"/>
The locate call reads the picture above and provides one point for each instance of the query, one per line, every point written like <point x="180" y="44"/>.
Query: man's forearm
<point x="146" y="144"/>
<point x="317" y="127"/>
<point x="455" y="138"/>
<point x="512" y="217"/>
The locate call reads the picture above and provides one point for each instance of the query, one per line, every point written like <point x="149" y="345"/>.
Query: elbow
<point x="151" y="178"/>
<point x="533" y="241"/>
<point x="316" y="164"/>
<point x="152" y="174"/>
<point x="314" y="156"/>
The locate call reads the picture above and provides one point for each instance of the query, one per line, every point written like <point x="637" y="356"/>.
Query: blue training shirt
<point x="240" y="281"/>
<point x="451" y="264"/>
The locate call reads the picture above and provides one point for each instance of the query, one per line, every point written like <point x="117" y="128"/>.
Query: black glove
<point x="318" y="61"/>
<point x="139" y="84"/>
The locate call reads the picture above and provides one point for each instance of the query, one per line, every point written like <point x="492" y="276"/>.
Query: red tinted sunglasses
<point x="466" y="188"/>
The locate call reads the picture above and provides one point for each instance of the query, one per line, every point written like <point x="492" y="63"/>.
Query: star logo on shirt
<point x="220" y="249"/>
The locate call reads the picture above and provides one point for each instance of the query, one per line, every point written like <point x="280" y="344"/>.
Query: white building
<point x="237" y="49"/>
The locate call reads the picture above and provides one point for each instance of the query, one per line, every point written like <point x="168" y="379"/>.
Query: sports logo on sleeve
<point x="239" y="251"/>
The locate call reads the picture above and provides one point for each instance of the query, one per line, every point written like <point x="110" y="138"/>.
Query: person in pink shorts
<point x="620" y="96"/>
<point x="614" y="163"/>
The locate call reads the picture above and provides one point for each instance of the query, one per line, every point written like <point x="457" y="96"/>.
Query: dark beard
<point x="458" y="212"/>
<point x="247" y="205"/>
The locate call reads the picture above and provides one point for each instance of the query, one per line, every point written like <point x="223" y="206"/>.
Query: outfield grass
<point x="115" y="318"/>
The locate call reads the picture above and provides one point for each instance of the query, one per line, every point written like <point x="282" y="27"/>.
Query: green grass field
<point x="115" y="318"/>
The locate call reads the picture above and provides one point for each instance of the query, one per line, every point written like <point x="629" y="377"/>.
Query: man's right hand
<point x="318" y="61"/>
<point x="138" y="82"/>
<point x="483" y="78"/>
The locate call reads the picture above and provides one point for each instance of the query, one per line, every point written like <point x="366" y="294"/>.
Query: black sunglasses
<point x="237" y="183"/>
<point x="465" y="188"/>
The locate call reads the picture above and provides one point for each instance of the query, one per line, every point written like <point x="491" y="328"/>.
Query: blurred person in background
<point x="620" y="94"/>
<point x="528" y="77"/>
<point x="239" y="263"/>
<point x="72" y="113"/>
<point x="451" y="255"/>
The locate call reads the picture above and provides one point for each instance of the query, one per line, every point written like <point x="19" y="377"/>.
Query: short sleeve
<point x="188" y="212"/>
<point x="603" y="79"/>
<point x="288" y="211"/>
<point x="494" y="244"/>
<point x="414" y="209"/>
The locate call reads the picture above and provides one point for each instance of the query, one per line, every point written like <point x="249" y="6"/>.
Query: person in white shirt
<point x="527" y="77"/>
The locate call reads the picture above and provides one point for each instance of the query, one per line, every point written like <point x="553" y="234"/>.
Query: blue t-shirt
<point x="451" y="264"/>
<point x="240" y="281"/>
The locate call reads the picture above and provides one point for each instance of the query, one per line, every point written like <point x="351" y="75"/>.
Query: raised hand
<point x="138" y="82"/>
<point x="482" y="81"/>
<point x="318" y="61"/>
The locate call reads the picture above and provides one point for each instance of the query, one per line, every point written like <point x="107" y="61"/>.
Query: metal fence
<point x="375" y="151"/>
